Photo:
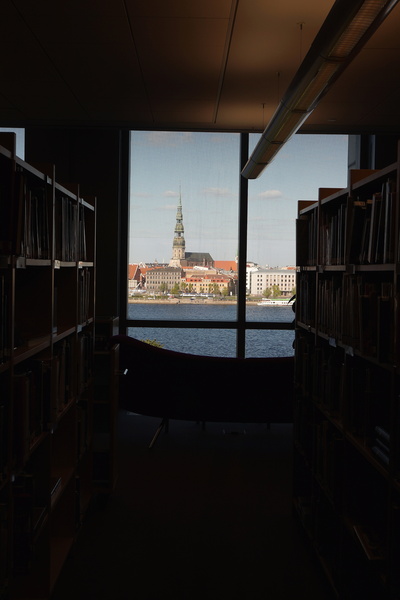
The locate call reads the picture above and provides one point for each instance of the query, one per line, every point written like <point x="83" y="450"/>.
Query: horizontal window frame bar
<point x="165" y="324"/>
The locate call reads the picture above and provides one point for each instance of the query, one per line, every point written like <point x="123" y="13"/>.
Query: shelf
<point x="347" y="372"/>
<point x="47" y="284"/>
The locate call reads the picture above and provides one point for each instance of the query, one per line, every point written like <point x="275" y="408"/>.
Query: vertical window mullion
<point x="242" y="258"/>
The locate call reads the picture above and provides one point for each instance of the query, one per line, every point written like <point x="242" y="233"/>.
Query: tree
<point x="175" y="289"/>
<point x="153" y="343"/>
<point x="276" y="291"/>
<point x="267" y="293"/>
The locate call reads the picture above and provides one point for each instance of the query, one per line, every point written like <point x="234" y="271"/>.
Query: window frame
<point x="240" y="324"/>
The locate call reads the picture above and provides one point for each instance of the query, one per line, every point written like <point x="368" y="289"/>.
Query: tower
<point x="178" y="246"/>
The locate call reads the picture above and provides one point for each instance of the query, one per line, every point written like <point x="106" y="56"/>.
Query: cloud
<point x="270" y="194"/>
<point x="171" y="194"/>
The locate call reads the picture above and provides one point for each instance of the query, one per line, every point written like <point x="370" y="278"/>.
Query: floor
<point x="204" y="514"/>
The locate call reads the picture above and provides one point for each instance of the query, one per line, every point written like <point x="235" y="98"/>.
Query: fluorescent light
<point x="343" y="34"/>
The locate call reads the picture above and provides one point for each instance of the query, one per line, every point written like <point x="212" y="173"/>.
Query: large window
<point x="192" y="225"/>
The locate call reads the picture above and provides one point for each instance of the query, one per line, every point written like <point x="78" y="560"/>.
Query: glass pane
<point x="264" y="343"/>
<point x="183" y="224"/>
<point x="301" y="167"/>
<point x="177" y="309"/>
<point x="20" y="139"/>
<point x="207" y="342"/>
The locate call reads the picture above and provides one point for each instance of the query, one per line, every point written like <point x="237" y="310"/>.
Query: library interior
<point x="305" y="506"/>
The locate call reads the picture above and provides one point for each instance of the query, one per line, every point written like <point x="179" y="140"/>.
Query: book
<point x="21" y="417"/>
<point x="354" y="225"/>
<point x="390" y="222"/>
<point x="376" y="210"/>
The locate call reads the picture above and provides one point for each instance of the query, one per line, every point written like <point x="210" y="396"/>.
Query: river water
<point x="214" y="342"/>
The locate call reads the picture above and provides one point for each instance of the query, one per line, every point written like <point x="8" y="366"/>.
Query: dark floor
<point x="203" y="515"/>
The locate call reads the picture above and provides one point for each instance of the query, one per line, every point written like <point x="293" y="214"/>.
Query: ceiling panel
<point x="178" y="64"/>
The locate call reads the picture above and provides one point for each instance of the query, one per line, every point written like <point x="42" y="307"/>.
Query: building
<point x="163" y="279"/>
<point x="263" y="279"/>
<point x="181" y="258"/>
<point x="204" y="283"/>
<point x="228" y="266"/>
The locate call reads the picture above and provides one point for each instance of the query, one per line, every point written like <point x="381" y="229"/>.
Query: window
<point x="20" y="138"/>
<point x="188" y="212"/>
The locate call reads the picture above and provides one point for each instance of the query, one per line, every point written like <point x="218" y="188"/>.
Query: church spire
<point x="178" y="246"/>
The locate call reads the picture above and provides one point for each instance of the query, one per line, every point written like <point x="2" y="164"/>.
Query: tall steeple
<point x="178" y="246"/>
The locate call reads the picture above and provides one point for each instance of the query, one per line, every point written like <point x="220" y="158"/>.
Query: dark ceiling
<point x="183" y="64"/>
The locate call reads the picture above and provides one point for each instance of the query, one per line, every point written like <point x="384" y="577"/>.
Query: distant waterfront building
<point x="163" y="279"/>
<point x="181" y="258"/>
<point x="209" y="283"/>
<point x="262" y="279"/>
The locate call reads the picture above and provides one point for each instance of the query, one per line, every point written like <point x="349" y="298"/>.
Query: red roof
<point x="226" y="265"/>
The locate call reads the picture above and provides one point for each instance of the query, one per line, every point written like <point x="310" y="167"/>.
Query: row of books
<point x="306" y="298"/>
<point x="358" y="312"/>
<point x="4" y="434"/>
<point x="356" y="231"/>
<point x="328" y="458"/>
<point x="4" y="322"/>
<point x="85" y="360"/>
<point x="4" y="547"/>
<point x="381" y="445"/>
<point x="40" y="392"/>
<point x="30" y="513"/>
<point x="66" y="229"/>
<point x="84" y="295"/>
<point x="354" y="395"/>
<point x="31" y="220"/>
<point x="26" y="223"/>
<point x="6" y="207"/>
<point x="71" y="242"/>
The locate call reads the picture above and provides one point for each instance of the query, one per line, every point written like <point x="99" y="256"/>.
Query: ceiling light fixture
<point x="344" y="32"/>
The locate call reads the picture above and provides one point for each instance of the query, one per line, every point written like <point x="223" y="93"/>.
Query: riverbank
<point x="212" y="301"/>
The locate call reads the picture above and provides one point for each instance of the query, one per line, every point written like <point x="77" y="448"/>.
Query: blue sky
<point x="203" y="168"/>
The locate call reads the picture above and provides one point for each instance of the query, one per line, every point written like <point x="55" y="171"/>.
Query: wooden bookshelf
<point x="347" y="408"/>
<point x="47" y="290"/>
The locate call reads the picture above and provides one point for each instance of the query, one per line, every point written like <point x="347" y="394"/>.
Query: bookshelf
<point x="105" y="408"/>
<point x="47" y="291"/>
<point x="347" y="406"/>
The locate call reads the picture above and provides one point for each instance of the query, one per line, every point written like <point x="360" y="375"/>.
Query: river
<point x="214" y="342"/>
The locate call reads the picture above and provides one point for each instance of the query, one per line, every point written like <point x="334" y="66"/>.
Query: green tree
<point x="276" y="292"/>
<point x="267" y="293"/>
<point x="175" y="289"/>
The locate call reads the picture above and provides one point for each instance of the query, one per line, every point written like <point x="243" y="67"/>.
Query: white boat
<point x="270" y="302"/>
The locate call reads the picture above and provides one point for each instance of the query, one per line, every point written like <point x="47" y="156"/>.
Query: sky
<point x="203" y="168"/>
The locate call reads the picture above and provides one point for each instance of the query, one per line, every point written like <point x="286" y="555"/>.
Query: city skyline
<point x="203" y="170"/>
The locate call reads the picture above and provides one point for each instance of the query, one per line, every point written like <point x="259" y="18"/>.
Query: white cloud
<point x="270" y="194"/>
